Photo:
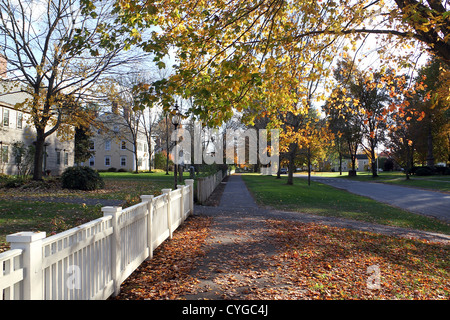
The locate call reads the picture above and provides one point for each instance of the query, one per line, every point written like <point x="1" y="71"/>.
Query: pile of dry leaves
<point x="166" y="275"/>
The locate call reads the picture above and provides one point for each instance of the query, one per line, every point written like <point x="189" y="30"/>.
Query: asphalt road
<point x="429" y="203"/>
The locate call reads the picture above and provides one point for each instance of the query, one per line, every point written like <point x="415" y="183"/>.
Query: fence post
<point x="181" y="187"/>
<point x="149" y="200"/>
<point x="190" y="183"/>
<point x="31" y="244"/>
<point x="115" y="245"/>
<point x="169" y="210"/>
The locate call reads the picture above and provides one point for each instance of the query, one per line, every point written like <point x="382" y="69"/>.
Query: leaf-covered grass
<point x="118" y="185"/>
<point x="325" y="200"/>
<point x="332" y="263"/>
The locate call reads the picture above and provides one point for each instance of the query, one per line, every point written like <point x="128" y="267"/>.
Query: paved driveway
<point x="430" y="203"/>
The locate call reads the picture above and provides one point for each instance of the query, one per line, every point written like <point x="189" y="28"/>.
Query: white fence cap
<point x="25" y="236"/>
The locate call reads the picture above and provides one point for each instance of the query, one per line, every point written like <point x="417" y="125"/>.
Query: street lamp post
<point x="175" y="122"/>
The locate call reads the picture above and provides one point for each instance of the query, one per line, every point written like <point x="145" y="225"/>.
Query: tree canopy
<point x="229" y="53"/>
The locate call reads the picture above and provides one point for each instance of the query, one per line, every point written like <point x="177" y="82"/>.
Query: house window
<point x="91" y="145"/>
<point x="123" y="161"/>
<point x="5" y="117"/>
<point x="5" y="154"/>
<point x="19" y="120"/>
<point x="123" y="145"/>
<point x="66" y="159"/>
<point x="92" y="161"/>
<point x="107" y="161"/>
<point x="58" y="157"/>
<point x="108" y="145"/>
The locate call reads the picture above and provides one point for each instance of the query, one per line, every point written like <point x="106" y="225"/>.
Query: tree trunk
<point x="292" y="152"/>
<point x="373" y="163"/>
<point x="430" y="157"/>
<point x="279" y="171"/>
<point x="136" y="160"/>
<point x="291" y="170"/>
<point x="340" y="163"/>
<point x="408" y="163"/>
<point x="38" y="154"/>
<point x="180" y="171"/>
<point x="309" y="166"/>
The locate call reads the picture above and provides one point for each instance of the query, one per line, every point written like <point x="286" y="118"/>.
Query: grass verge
<point x="325" y="200"/>
<point x="436" y="183"/>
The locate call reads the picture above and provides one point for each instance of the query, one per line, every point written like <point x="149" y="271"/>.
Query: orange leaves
<point x="421" y="116"/>
<point x="167" y="274"/>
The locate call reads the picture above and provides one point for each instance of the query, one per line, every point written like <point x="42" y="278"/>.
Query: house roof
<point x="10" y="99"/>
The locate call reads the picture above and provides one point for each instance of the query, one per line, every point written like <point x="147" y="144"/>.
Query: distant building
<point x="113" y="144"/>
<point x="16" y="126"/>
<point x="362" y="163"/>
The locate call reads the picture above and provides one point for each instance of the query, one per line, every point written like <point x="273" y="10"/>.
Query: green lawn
<point x="53" y="217"/>
<point x="437" y="182"/>
<point x="325" y="200"/>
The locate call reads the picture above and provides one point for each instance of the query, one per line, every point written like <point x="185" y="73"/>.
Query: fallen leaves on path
<point x="166" y="275"/>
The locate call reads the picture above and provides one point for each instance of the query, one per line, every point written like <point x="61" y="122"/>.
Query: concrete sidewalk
<point x="429" y="203"/>
<point x="238" y="236"/>
<point x="236" y="194"/>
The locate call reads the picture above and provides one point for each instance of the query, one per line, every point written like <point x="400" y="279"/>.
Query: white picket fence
<point x="206" y="186"/>
<point x="92" y="260"/>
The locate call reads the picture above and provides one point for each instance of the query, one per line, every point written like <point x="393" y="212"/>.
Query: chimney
<point x="3" y="65"/>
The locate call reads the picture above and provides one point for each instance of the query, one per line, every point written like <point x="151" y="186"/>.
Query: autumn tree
<point x="432" y="99"/>
<point x="315" y="140"/>
<point x="82" y="145"/>
<point x="369" y="99"/>
<point x="345" y="125"/>
<point x="400" y="144"/>
<point x="335" y="127"/>
<point x="56" y="51"/>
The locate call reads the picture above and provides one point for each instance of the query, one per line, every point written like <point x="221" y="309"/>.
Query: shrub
<point x="81" y="178"/>
<point x="424" y="171"/>
<point x="122" y="170"/>
<point x="439" y="169"/>
<point x="112" y="169"/>
<point x="15" y="182"/>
